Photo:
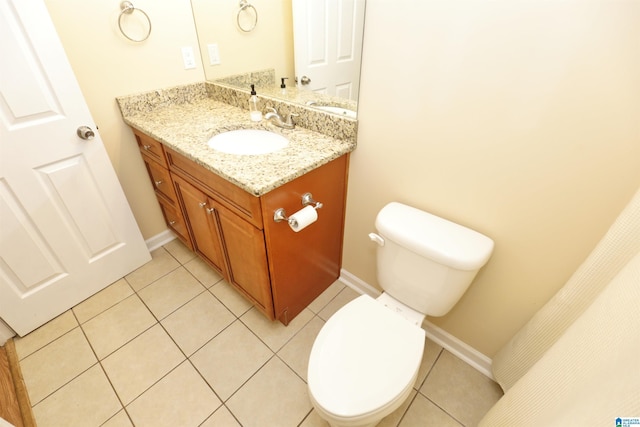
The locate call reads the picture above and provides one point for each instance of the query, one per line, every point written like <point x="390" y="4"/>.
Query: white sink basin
<point x="248" y="142"/>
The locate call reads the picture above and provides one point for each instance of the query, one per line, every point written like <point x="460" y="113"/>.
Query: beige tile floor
<point x="172" y="344"/>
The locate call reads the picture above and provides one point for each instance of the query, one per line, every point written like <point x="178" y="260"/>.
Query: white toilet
<point x="365" y="360"/>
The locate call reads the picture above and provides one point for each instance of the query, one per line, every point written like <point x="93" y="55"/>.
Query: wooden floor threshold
<point x="15" y="406"/>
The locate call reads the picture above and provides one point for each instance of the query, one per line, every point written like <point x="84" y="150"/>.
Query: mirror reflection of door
<point x="327" y="38"/>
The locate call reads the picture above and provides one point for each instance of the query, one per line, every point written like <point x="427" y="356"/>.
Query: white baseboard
<point x="357" y="284"/>
<point x="160" y="239"/>
<point x="461" y="350"/>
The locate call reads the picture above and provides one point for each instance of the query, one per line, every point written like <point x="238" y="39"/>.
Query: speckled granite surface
<point x="267" y="85"/>
<point x="261" y="79"/>
<point x="185" y="118"/>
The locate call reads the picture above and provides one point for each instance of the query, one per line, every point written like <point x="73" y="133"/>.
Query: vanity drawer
<point x="222" y="191"/>
<point x="150" y="147"/>
<point x="175" y="221"/>
<point x="161" y="180"/>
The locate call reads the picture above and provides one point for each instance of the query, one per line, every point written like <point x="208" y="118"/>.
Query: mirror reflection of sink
<point x="248" y="142"/>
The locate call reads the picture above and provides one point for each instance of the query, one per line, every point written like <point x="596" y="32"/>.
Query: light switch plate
<point x="188" y="58"/>
<point x="214" y="54"/>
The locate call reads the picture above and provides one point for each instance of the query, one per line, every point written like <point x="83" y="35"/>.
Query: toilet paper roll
<point x="303" y="218"/>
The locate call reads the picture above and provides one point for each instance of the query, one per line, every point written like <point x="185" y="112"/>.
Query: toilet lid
<point x="363" y="358"/>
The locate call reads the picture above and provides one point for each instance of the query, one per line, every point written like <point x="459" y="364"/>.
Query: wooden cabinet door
<point x="201" y="222"/>
<point x="246" y="258"/>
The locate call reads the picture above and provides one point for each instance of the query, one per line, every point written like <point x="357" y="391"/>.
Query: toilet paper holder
<point x="307" y="200"/>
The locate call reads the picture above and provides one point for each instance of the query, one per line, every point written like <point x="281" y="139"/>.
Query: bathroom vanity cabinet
<point x="157" y="168"/>
<point x="278" y="270"/>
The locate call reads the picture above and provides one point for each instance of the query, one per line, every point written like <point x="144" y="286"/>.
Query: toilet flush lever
<point x="376" y="238"/>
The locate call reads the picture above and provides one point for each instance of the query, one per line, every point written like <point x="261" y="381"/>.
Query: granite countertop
<point x="186" y="127"/>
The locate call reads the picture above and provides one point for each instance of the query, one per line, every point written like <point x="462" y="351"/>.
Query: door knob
<point x="305" y="80"/>
<point x="85" y="132"/>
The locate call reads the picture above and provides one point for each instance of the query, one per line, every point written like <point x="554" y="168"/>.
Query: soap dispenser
<point x="283" y="87"/>
<point x="255" y="113"/>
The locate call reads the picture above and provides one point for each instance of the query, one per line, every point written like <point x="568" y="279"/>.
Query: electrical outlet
<point x="188" y="58"/>
<point x="214" y="54"/>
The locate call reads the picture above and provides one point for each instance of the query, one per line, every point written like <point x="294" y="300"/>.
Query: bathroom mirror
<point x="231" y="49"/>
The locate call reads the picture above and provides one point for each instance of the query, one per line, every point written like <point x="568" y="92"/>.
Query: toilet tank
<point x="427" y="262"/>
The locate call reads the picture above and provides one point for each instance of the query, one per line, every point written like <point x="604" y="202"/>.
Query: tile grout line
<point x="418" y="386"/>
<point x="431" y="369"/>
<point x="157" y="322"/>
<point x="71" y="379"/>
<point x="128" y="341"/>
<point x="122" y="406"/>
<point x="433" y="365"/>
<point x="188" y="358"/>
<point x="223" y="402"/>
<point x="157" y="278"/>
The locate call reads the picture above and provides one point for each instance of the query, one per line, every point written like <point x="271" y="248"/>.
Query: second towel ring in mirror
<point x="245" y="6"/>
<point x="127" y="8"/>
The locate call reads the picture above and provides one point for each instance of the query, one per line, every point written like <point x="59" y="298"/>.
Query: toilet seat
<point x="363" y="360"/>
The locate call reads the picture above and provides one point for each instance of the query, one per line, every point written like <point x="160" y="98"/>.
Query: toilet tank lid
<point x="433" y="237"/>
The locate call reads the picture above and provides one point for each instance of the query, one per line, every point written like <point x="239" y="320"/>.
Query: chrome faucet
<point x="275" y="118"/>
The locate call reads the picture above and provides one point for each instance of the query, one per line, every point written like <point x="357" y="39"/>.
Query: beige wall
<point x="269" y="45"/>
<point x="520" y="119"/>
<point x="108" y="65"/>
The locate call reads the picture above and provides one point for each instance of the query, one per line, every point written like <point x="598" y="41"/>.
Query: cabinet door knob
<point x="158" y="182"/>
<point x="146" y="147"/>
<point x="172" y="223"/>
<point x="210" y="210"/>
<point x="202" y="204"/>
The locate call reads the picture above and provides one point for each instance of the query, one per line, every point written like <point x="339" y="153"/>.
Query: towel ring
<point x="245" y="5"/>
<point x="126" y="7"/>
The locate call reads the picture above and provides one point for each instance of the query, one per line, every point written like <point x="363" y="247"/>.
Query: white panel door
<point x="66" y="229"/>
<point x="327" y="36"/>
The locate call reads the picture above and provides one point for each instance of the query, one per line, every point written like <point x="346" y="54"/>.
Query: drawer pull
<point x="172" y="223"/>
<point x="157" y="183"/>
<point x="146" y="147"/>
<point x="202" y="204"/>
<point x="210" y="210"/>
